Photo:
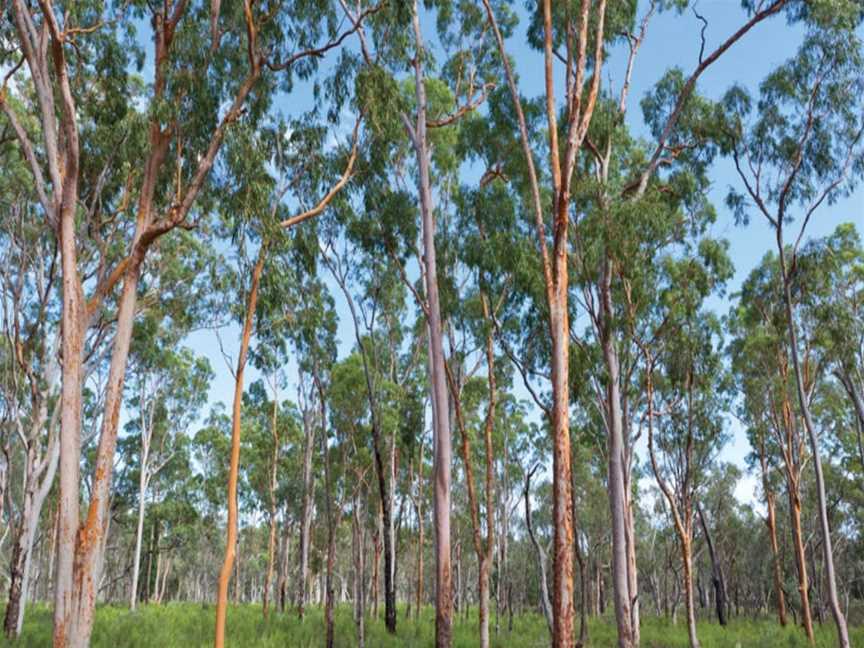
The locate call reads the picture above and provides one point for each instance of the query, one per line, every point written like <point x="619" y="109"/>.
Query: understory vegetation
<point x="188" y="625"/>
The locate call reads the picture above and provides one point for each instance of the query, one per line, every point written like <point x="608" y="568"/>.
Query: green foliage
<point x="620" y="18"/>
<point x="187" y="625"/>
<point x="805" y="139"/>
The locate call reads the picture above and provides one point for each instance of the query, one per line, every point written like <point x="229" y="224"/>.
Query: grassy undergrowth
<point x="187" y="625"/>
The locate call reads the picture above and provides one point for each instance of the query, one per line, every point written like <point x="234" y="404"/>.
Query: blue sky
<point x="671" y="40"/>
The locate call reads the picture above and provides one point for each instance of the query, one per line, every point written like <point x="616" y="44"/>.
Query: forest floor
<point x="188" y="625"/>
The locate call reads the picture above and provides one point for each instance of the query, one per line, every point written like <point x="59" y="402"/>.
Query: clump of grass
<point x="190" y="625"/>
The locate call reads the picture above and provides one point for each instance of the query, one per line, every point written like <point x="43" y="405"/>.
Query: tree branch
<point x="335" y="189"/>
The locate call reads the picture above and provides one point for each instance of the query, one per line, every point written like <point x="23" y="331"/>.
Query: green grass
<point x="188" y="625"/>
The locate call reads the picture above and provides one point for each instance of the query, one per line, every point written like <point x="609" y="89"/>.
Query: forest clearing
<point x="370" y="323"/>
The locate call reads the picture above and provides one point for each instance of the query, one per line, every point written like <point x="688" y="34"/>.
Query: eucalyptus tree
<point x="466" y="402"/>
<point x="541" y="550"/>
<point x="578" y="36"/>
<point x="30" y="370"/>
<point x="278" y="300"/>
<point x="398" y="417"/>
<point x="257" y="196"/>
<point x="173" y="520"/>
<point x="465" y="35"/>
<point x="634" y="302"/>
<point x="252" y="201"/>
<point x="290" y="490"/>
<point x="79" y="553"/>
<point x="184" y="113"/>
<point x="727" y="527"/>
<point x="169" y="386"/>
<point x="377" y="312"/>
<point x="483" y="238"/>
<point x="319" y="377"/>
<point x="350" y="415"/>
<point x="167" y="383"/>
<point x="806" y="135"/>
<point x="683" y="398"/>
<point x="427" y="107"/>
<point x="761" y="361"/>
<point x="624" y="290"/>
<point x="759" y="433"/>
<point x="509" y="426"/>
<point x="307" y="499"/>
<point x="823" y="293"/>
<point x="833" y="300"/>
<point x="273" y="430"/>
<point x="315" y="343"/>
<point x="554" y="267"/>
<point x="590" y="515"/>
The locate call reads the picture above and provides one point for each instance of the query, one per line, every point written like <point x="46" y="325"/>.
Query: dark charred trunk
<point x="716" y="572"/>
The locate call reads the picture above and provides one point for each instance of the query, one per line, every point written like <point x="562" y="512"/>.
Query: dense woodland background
<point x="492" y="368"/>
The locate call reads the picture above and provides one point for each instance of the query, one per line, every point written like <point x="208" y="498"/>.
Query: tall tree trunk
<point x="801" y="561"/>
<point x="386" y="476"/>
<point x="580" y="561"/>
<point x="420" y="539"/>
<point x="271" y="489"/>
<point x="458" y="590"/>
<point x="562" y="539"/>
<point x="284" y="561"/>
<point x="771" y="523"/>
<point x="151" y="551"/>
<point x="70" y="427"/>
<point x="483" y="569"/>
<point x="440" y="417"/>
<point x="555" y="268"/>
<point x="483" y="547"/>
<point x="142" y="503"/>
<point x="420" y="585"/>
<point x="231" y="535"/>
<point x="306" y="516"/>
<point x="541" y="554"/>
<point x="716" y="571"/>
<point x="376" y="567"/>
<point x="822" y="507"/>
<point x="617" y="490"/>
<point x="488" y="428"/>
<point x="686" y="556"/>
<point x="329" y="601"/>
<point x="386" y="529"/>
<point x="89" y="544"/>
<point x="632" y="567"/>
<point x="682" y="516"/>
<point x="39" y="483"/>
<point x="271" y="565"/>
<point x="357" y="537"/>
<point x="14" y="604"/>
<point x="505" y="587"/>
<point x="390" y="539"/>
<point x="139" y="534"/>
